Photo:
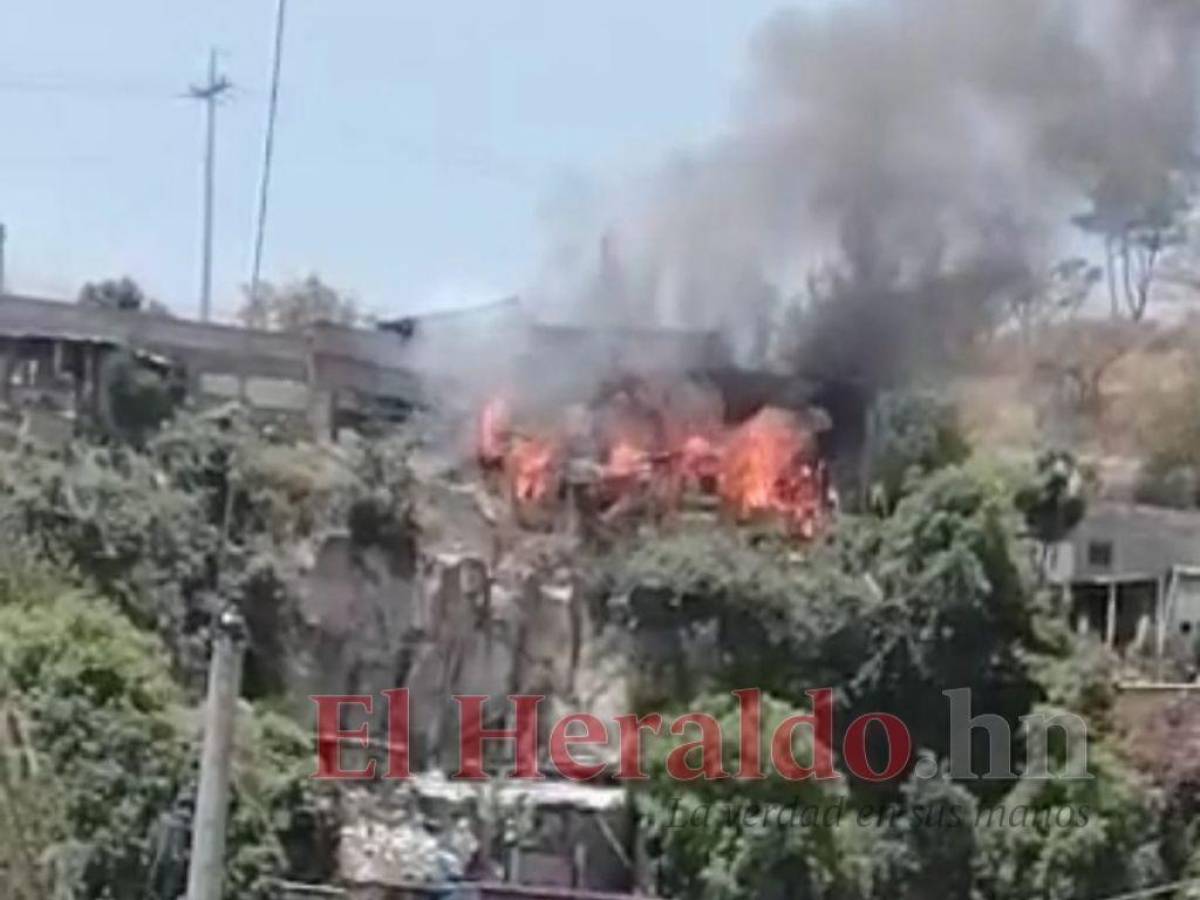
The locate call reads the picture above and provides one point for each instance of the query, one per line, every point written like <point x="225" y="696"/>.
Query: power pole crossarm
<point x="209" y="93"/>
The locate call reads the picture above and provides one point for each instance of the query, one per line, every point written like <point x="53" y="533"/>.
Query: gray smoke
<point x="900" y="165"/>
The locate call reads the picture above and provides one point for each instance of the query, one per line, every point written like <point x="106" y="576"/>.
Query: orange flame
<point x="767" y="469"/>
<point x="532" y="469"/>
<point x="495" y="427"/>
<point x="764" y="468"/>
<point x="626" y="460"/>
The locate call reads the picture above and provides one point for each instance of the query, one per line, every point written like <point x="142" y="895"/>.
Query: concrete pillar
<point x="1110" y="623"/>
<point x="321" y="413"/>
<point x="7" y="360"/>
<point x="91" y="377"/>
<point x="79" y="387"/>
<point x="1162" y="588"/>
<point x="207" y="868"/>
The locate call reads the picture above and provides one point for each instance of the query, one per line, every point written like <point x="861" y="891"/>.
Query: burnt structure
<point x="53" y="354"/>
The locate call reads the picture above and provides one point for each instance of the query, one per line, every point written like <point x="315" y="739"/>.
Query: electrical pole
<point x="264" y="183"/>
<point x="207" y="867"/>
<point x="3" y="241"/>
<point x="209" y="93"/>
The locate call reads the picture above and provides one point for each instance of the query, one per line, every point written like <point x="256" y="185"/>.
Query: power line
<point x="264" y="185"/>
<point x="209" y="94"/>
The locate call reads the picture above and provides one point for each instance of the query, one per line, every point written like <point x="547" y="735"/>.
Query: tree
<point x="913" y="433"/>
<point x="136" y="397"/>
<point x="744" y="840"/>
<point x="705" y="609"/>
<point x="110" y="515"/>
<point x="98" y="708"/>
<point x="1053" y="502"/>
<point x="1072" y="839"/>
<point x="1141" y="215"/>
<point x="1076" y="361"/>
<point x="295" y="306"/>
<point x="933" y="596"/>
<point x="1055" y="294"/>
<point x="122" y="294"/>
<point x="892" y="612"/>
<point x="96" y="690"/>
<point x="955" y="605"/>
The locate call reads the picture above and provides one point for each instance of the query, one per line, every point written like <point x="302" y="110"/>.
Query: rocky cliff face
<point x="468" y="606"/>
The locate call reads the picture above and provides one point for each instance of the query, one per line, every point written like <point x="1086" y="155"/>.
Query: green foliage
<point x="1053" y="503"/>
<point x="738" y="840"/>
<point x="956" y="607"/>
<point x="707" y="608"/>
<point x="100" y="701"/>
<point x="1071" y="839"/>
<point x="728" y="839"/>
<point x="33" y="823"/>
<point x="110" y="515"/>
<point x="890" y="611"/>
<point x="137" y="398"/>
<point x="381" y="511"/>
<point x="208" y="512"/>
<point x="933" y="597"/>
<point x="938" y="842"/>
<point x="1141" y="213"/>
<point x="281" y="820"/>
<point x="1076" y="673"/>
<point x="912" y="433"/>
<point x="108" y="726"/>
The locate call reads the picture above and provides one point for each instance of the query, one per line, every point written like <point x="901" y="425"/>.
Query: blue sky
<point x="420" y="145"/>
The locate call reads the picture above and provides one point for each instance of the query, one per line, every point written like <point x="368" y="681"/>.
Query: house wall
<point x="1142" y="540"/>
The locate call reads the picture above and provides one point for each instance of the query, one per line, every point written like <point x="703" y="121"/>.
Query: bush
<point x="101" y="704"/>
<point x="109" y="723"/>
<point x="891" y="612"/>
<point x="1072" y="839"/>
<point x="1170" y="486"/>
<point x="110" y="516"/>
<point x="210" y="511"/>
<point x="136" y="397"/>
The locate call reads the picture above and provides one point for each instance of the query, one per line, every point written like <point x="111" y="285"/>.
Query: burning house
<point x="597" y="423"/>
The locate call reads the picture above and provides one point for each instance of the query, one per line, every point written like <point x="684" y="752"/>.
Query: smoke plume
<point x="898" y="165"/>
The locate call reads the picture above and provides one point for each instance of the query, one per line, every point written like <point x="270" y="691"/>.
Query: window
<point x="1099" y="554"/>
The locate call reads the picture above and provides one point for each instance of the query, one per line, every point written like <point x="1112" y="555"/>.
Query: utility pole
<point x="264" y="183"/>
<point x="3" y="241"/>
<point x="209" y="93"/>
<point x="207" y="867"/>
